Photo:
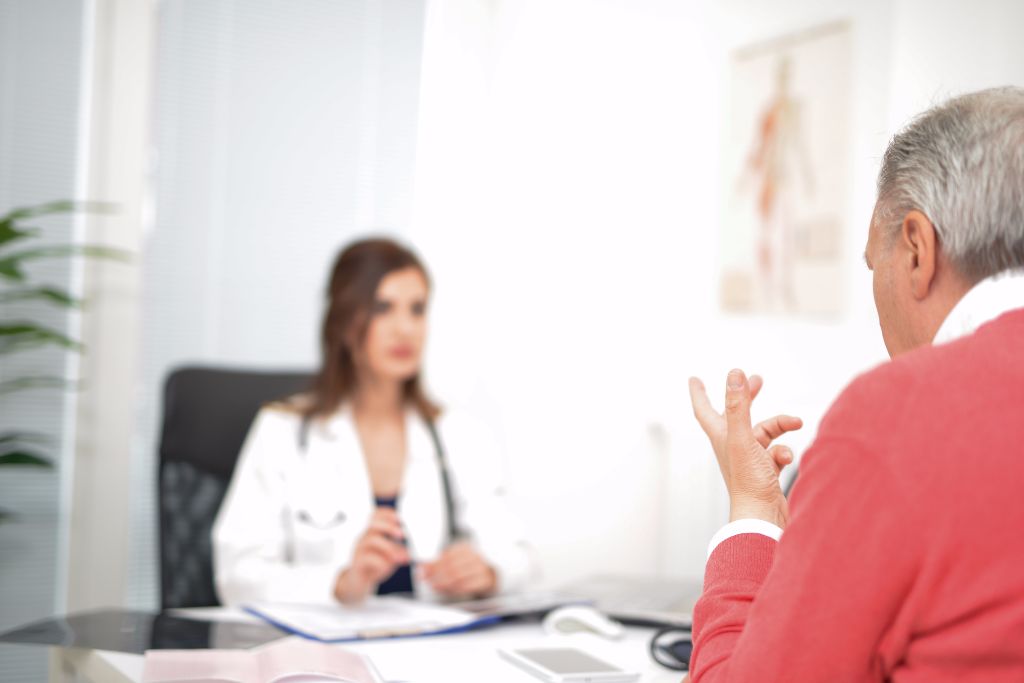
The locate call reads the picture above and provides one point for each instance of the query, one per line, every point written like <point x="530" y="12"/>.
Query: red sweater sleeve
<point x="827" y="602"/>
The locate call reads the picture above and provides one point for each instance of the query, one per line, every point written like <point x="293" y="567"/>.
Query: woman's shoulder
<point x="291" y="416"/>
<point x="289" y="411"/>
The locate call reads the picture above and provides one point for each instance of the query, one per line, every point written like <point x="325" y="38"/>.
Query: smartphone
<point x="567" y="665"/>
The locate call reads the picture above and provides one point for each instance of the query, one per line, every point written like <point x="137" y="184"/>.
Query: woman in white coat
<point x="362" y="486"/>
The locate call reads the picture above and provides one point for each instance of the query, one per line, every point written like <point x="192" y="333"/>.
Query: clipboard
<point x="378" y="618"/>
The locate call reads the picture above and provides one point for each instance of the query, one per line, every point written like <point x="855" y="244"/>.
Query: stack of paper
<point x="287" y="661"/>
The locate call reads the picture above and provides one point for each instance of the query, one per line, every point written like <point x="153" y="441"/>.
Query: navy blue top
<point x="401" y="580"/>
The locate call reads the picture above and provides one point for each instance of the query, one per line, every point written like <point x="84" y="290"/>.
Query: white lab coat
<point x="291" y="517"/>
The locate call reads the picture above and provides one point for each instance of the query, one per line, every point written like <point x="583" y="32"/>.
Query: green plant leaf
<point x="25" y="458"/>
<point x="11" y="265"/>
<point x="59" y="206"/>
<point x="51" y="294"/>
<point x="9" y="232"/>
<point x="7" y="438"/>
<point x="6" y="516"/>
<point x="23" y="383"/>
<point x="19" y="336"/>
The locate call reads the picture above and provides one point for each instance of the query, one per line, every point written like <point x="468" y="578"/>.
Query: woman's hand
<point x="378" y="553"/>
<point x="460" y="572"/>
<point x="749" y="463"/>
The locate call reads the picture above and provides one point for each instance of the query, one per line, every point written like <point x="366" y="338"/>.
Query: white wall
<point x="572" y="224"/>
<point x="941" y="48"/>
<point x="565" y="289"/>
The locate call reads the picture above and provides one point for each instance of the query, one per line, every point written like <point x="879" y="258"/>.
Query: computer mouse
<point x="579" y="618"/>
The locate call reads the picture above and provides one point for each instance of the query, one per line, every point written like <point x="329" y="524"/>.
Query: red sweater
<point x="904" y="556"/>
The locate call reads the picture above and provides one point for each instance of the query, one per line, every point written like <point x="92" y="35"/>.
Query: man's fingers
<point x="702" y="409"/>
<point x="737" y="408"/>
<point x="768" y="430"/>
<point x="756" y="382"/>
<point x="781" y="456"/>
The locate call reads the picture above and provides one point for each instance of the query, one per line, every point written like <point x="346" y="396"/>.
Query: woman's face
<point x="395" y="336"/>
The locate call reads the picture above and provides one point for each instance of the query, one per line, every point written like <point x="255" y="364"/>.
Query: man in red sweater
<point x="900" y="556"/>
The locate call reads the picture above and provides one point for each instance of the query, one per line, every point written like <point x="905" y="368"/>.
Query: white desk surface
<point x="470" y="657"/>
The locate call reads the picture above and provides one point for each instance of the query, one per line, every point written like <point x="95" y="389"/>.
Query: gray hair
<point x="961" y="163"/>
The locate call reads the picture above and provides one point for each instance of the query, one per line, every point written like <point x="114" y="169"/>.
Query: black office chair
<point x="207" y="413"/>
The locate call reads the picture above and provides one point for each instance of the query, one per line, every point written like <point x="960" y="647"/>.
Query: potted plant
<point x="19" y="246"/>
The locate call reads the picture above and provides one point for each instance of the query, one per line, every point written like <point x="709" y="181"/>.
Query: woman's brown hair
<point x="351" y="292"/>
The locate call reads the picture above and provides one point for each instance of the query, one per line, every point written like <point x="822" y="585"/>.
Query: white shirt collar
<point x="986" y="301"/>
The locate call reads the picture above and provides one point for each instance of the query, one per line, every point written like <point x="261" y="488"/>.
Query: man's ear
<point x="921" y="241"/>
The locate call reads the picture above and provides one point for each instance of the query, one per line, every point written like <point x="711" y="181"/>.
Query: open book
<point x="290" y="660"/>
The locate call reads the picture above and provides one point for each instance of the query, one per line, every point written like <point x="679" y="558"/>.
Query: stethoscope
<point x="452" y="528"/>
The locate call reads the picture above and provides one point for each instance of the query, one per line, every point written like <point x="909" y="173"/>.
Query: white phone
<point x="567" y="665"/>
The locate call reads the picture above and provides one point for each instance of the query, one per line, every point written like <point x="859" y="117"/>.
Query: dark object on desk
<point x="207" y="414"/>
<point x="135" y="631"/>
<point x="671" y="647"/>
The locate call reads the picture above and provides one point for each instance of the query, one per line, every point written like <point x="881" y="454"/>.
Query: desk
<point x="465" y="657"/>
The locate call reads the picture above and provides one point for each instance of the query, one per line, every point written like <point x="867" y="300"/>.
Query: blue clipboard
<point x="378" y="633"/>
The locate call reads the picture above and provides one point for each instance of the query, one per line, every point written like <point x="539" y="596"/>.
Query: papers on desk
<point x="290" y="660"/>
<point x="383" y="617"/>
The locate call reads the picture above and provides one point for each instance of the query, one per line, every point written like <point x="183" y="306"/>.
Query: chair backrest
<point x="207" y="414"/>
